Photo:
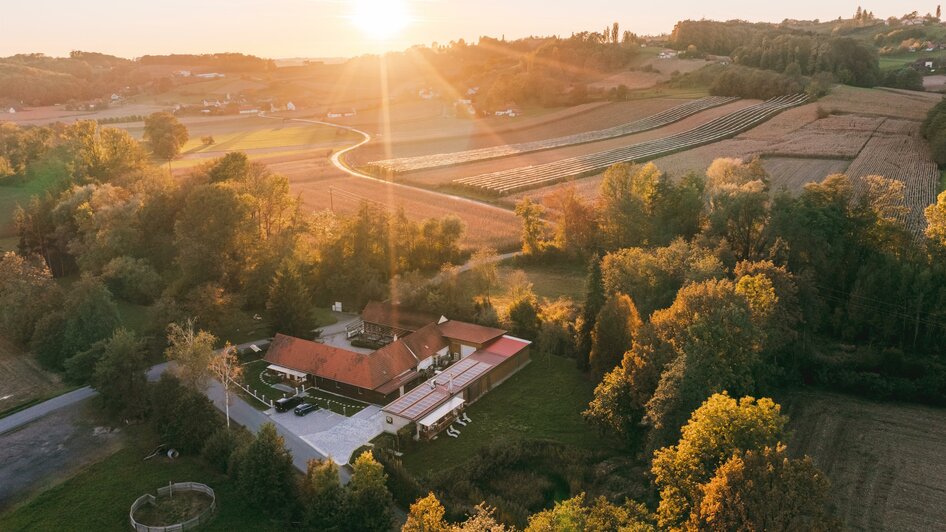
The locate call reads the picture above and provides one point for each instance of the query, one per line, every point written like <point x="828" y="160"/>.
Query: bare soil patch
<point x="892" y="103"/>
<point x="885" y="461"/>
<point x="793" y="173"/>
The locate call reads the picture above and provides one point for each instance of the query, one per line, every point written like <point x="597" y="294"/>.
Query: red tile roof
<point x="395" y="316"/>
<point x="506" y="346"/>
<point x="426" y="341"/>
<point x="469" y="332"/>
<point x="365" y="371"/>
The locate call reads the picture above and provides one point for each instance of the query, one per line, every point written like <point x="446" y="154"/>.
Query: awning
<point x="255" y="348"/>
<point x="287" y="371"/>
<point x="441" y="412"/>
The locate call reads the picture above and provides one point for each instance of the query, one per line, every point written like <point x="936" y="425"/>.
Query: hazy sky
<point x="321" y="28"/>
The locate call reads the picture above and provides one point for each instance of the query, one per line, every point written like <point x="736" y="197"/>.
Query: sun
<point x="380" y="19"/>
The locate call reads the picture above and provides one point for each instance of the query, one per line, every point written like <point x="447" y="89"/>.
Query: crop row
<point x="905" y="158"/>
<point x="675" y="114"/>
<point x="512" y="180"/>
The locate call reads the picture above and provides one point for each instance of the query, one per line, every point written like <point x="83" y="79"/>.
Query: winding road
<point x="338" y="162"/>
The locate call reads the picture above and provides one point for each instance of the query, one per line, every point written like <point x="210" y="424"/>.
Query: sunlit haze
<point x="330" y="28"/>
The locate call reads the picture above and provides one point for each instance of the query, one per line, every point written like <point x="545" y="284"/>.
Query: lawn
<point x="543" y="401"/>
<point x="98" y="498"/>
<point x="899" y="60"/>
<point x="335" y="403"/>
<point x="549" y="281"/>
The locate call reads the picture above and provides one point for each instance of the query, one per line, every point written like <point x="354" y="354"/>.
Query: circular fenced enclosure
<point x="178" y="506"/>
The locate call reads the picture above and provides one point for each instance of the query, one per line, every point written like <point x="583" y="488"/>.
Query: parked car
<point x="284" y="404"/>
<point x="305" y="408"/>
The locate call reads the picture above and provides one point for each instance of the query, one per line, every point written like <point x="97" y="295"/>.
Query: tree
<point x="426" y="515"/>
<point x="165" y="134"/>
<point x="739" y="205"/>
<point x="533" y="227"/>
<point x="599" y="516"/>
<point x="484" y="271"/>
<point x="615" y="329"/>
<point x="622" y="395"/>
<point x="226" y="366"/>
<point x="719" y="428"/>
<point x="368" y="505"/>
<point x="90" y="315"/>
<point x="27" y="285"/>
<point x="574" y="218"/>
<point x="717" y="347"/>
<point x="483" y="520"/>
<point x="214" y="232"/>
<point x="265" y="474"/>
<point x="594" y="300"/>
<point x="523" y="305"/>
<point x="119" y="375"/>
<point x="322" y="497"/>
<point x="182" y="416"/>
<point x="102" y="154"/>
<point x="290" y="302"/>
<point x="765" y="490"/>
<point x="936" y="220"/>
<point x="192" y="352"/>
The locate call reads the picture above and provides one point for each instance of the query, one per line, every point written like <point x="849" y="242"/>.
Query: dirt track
<point x="886" y="462"/>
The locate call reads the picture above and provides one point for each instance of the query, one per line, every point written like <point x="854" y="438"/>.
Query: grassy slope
<point x="271" y="137"/>
<point x="98" y="498"/>
<point x="549" y="281"/>
<point x="543" y="401"/>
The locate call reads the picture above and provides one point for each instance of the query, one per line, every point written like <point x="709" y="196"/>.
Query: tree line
<point x="774" y="48"/>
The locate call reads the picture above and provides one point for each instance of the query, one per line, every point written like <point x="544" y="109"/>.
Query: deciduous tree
<point x="765" y="490"/>
<point x="192" y="352"/>
<point x="426" y="515"/>
<point x="119" y="375"/>
<point x="165" y="134"/>
<point x="719" y="428"/>
<point x="323" y="497"/>
<point x="265" y="473"/>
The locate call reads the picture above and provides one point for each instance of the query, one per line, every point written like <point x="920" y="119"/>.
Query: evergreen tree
<point x="616" y="327"/>
<point x="290" y="302"/>
<point x="265" y="474"/>
<point x="119" y="375"/>
<point x="594" y="300"/>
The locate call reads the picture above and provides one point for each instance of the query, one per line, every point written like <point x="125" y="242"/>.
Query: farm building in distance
<point x="411" y="351"/>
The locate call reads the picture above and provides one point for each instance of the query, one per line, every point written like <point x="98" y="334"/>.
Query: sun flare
<point x="380" y="19"/>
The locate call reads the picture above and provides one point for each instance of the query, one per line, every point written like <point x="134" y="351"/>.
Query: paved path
<point x="15" y="421"/>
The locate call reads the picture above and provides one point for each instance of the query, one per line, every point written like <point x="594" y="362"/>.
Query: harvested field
<point x="905" y="158"/>
<point x="480" y="133"/>
<point x="793" y="173"/>
<point x="21" y="378"/>
<point x="504" y="182"/>
<point x="878" y="102"/>
<point x="486" y="225"/>
<point x="662" y="71"/>
<point x="885" y="461"/>
<point x="445" y="176"/>
<point x="674" y="114"/>
<point x="785" y="123"/>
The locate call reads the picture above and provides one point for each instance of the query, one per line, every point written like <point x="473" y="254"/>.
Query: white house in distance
<point x="510" y="109"/>
<point x="339" y="113"/>
<point x="290" y="106"/>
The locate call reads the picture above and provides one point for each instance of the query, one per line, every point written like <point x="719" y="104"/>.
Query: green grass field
<point x="98" y="498"/>
<point x="549" y="281"/>
<point x="894" y="61"/>
<point x="543" y="401"/>
<point x="38" y="179"/>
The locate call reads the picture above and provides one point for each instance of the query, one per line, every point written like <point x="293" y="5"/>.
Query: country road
<point x="337" y="162"/>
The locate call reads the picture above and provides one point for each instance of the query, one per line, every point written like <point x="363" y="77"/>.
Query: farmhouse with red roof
<point x="470" y="359"/>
